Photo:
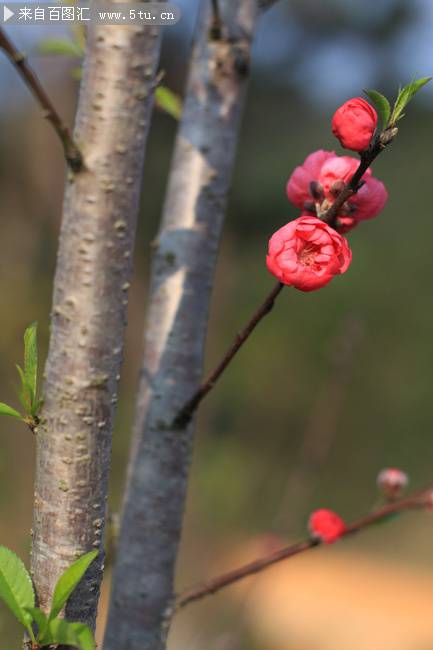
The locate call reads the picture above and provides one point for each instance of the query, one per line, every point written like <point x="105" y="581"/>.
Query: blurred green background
<point x="349" y="367"/>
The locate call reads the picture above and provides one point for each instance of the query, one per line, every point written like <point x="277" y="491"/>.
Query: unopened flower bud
<point x="326" y="526"/>
<point x="354" y="124"/>
<point x="392" y="481"/>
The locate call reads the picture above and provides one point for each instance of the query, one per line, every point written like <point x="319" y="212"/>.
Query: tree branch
<point x="187" y="411"/>
<point x="72" y="153"/>
<point x="189" y="408"/>
<point x="89" y="311"/>
<point x="181" y="281"/>
<point x="420" y="499"/>
<point x="367" y="158"/>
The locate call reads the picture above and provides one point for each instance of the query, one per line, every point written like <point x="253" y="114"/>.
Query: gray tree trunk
<point x="181" y="283"/>
<point x="89" y="310"/>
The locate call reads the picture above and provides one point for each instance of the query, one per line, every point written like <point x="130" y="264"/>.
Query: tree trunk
<point x="181" y="283"/>
<point x="89" y="311"/>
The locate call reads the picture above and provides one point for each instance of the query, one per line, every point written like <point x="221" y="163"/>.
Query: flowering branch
<point x="186" y="413"/>
<point x="419" y="499"/>
<point x="309" y="251"/>
<point x="72" y="153"/>
<point x="330" y="217"/>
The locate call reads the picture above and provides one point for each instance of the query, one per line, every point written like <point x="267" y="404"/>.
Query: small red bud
<point x="326" y="526"/>
<point x="392" y="481"/>
<point x="354" y="124"/>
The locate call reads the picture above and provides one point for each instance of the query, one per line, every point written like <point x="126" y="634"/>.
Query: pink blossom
<point x="330" y="173"/>
<point x="306" y="253"/>
<point x="298" y="187"/>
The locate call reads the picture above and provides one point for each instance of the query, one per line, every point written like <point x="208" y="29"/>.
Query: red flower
<point x="328" y="172"/>
<point x="306" y="253"/>
<point x="354" y="124"/>
<point x="326" y="526"/>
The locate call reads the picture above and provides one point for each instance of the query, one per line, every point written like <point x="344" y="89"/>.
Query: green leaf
<point x="16" y="588"/>
<point x="84" y="637"/>
<point x="31" y="358"/>
<point x="41" y="620"/>
<point x="68" y="581"/>
<point x="405" y="95"/>
<point x="382" y="106"/>
<point x="168" y="101"/>
<point x="8" y="410"/>
<point x="24" y="392"/>
<point x="65" y="633"/>
<point x="60" y="47"/>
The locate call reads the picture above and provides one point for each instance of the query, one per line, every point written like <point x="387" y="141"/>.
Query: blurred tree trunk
<point x="182" y="277"/>
<point x="89" y="310"/>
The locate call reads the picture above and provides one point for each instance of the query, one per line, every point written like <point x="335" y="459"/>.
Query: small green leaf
<point x="405" y="95"/>
<point x="31" y="358"/>
<point x="75" y="634"/>
<point x="24" y="391"/>
<point x="8" y="410"/>
<point x="168" y="101"/>
<point x="84" y="637"/>
<point x="60" y="47"/>
<point x="41" y="620"/>
<point x="382" y="106"/>
<point x="16" y="588"/>
<point x="68" y="581"/>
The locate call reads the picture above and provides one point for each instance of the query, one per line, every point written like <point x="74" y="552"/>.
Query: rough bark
<point x="181" y="282"/>
<point x="89" y="311"/>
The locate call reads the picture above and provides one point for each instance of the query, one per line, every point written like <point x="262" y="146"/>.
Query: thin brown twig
<point x="420" y="499"/>
<point x="189" y="408"/>
<point x="367" y="157"/>
<point x="72" y="153"/>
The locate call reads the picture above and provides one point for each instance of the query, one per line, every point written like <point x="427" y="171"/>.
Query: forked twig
<point x="73" y="155"/>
